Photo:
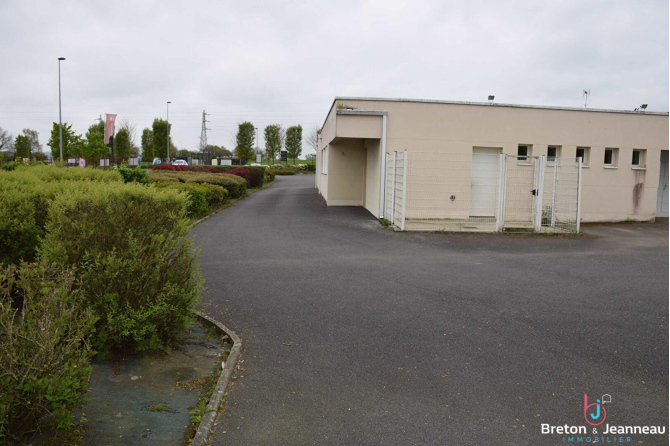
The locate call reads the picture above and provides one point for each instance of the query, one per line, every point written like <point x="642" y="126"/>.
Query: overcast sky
<point x="284" y="62"/>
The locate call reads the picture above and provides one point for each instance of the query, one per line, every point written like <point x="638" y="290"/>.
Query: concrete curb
<point x="202" y="435"/>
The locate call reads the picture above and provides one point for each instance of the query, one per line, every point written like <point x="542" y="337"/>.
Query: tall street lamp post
<point x="60" y="115"/>
<point x="168" y="131"/>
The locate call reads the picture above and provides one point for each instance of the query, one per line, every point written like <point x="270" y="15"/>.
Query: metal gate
<point x="396" y="185"/>
<point x="561" y="197"/>
<point x="521" y="192"/>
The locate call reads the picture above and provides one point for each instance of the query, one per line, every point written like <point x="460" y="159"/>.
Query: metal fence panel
<point x="481" y="191"/>
<point x="520" y="192"/>
<point x="561" y="195"/>
<point x="399" y="189"/>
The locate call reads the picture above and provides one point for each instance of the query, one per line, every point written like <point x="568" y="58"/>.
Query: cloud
<point x="283" y="61"/>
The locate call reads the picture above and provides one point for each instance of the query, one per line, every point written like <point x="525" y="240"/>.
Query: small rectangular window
<point x="639" y="158"/>
<point x="583" y="153"/>
<point x="611" y="157"/>
<point x="608" y="157"/>
<point x="523" y="152"/>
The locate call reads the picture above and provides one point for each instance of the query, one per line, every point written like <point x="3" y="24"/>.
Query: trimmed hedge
<point x="45" y="368"/>
<point x="257" y="173"/>
<point x="241" y="172"/>
<point x="281" y="171"/>
<point x="27" y="193"/>
<point x="236" y="186"/>
<point x="202" y="197"/>
<point x="129" y="244"/>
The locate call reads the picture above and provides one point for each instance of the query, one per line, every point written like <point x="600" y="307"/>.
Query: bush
<point x="281" y="172"/>
<point x="236" y="186"/>
<point x="202" y="197"/>
<point x="311" y="167"/>
<point x="257" y="173"/>
<point x="26" y="195"/>
<point x="269" y="175"/>
<point x="133" y="175"/>
<point x="241" y="172"/>
<point x="130" y="247"/>
<point x="43" y="347"/>
<point x="12" y="165"/>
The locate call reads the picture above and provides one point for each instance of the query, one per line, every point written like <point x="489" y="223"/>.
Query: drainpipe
<point x="382" y="183"/>
<point x="317" y="170"/>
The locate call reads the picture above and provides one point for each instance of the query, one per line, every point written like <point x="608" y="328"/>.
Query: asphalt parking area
<point x="357" y="335"/>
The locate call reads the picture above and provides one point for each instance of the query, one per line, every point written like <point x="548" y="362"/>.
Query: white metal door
<point x="662" y="196"/>
<point x="484" y="182"/>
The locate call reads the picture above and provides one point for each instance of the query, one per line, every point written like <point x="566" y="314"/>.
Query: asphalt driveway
<point x="357" y="335"/>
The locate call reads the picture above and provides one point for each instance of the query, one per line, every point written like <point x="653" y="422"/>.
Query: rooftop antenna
<point x="587" y="97"/>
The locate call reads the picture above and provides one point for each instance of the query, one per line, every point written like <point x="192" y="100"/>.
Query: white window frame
<point x="615" y="158"/>
<point x="642" y="159"/>
<point x="524" y="159"/>
<point x="586" y="159"/>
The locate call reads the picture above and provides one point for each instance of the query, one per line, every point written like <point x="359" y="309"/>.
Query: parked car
<point x="179" y="163"/>
<point x="157" y="161"/>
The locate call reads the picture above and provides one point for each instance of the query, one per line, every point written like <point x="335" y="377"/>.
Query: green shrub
<point x="133" y="175"/>
<point x="281" y="171"/>
<point x="269" y="175"/>
<point x="216" y="195"/>
<point x="12" y="165"/>
<point x="23" y="213"/>
<point x="43" y="347"/>
<point x="54" y="173"/>
<point x="201" y="197"/>
<point x="257" y="174"/>
<point x="136" y="265"/>
<point x="236" y="186"/>
<point x="26" y="195"/>
<point x="311" y="167"/>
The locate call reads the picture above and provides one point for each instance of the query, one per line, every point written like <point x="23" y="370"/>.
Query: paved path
<point x="358" y="335"/>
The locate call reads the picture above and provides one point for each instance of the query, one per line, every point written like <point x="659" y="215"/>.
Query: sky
<point x="285" y="61"/>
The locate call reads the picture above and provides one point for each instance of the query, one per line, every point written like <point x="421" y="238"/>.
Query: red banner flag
<point x="109" y="127"/>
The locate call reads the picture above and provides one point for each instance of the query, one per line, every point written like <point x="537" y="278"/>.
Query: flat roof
<point x="488" y="104"/>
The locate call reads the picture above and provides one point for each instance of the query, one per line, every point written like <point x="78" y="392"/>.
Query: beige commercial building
<point x="430" y="165"/>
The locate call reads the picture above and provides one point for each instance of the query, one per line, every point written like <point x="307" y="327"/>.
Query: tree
<point x="246" y="134"/>
<point x="312" y="137"/>
<point x="183" y="152"/>
<point x="273" y="141"/>
<point x="130" y="127"/>
<point x="218" y="150"/>
<point x="147" y="145"/>
<point x="33" y="136"/>
<point x="122" y="144"/>
<point x="6" y="139"/>
<point x="159" y="139"/>
<point x="22" y="146"/>
<point x="70" y="140"/>
<point x="294" y="142"/>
